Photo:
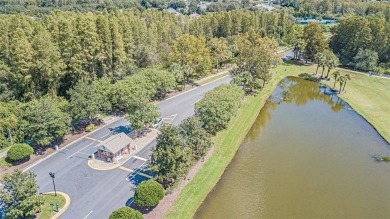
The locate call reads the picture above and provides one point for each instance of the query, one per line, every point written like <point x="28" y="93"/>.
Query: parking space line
<point x="80" y="150"/>
<point x="145" y="175"/>
<point x="88" y="215"/>
<point x="140" y="158"/>
<point x="92" y="139"/>
<point x="126" y="169"/>
<point x="104" y="136"/>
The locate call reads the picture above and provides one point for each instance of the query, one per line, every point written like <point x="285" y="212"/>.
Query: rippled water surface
<point x="308" y="155"/>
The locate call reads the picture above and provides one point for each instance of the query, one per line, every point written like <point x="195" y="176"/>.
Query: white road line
<point x="140" y="158"/>
<point x="138" y="169"/>
<point x="80" y="150"/>
<point x="88" y="215"/>
<point x="105" y="136"/>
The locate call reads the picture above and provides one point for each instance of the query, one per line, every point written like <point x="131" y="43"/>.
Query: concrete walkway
<point x="363" y="73"/>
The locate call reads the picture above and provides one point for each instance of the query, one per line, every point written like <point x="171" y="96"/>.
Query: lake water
<point x="308" y="155"/>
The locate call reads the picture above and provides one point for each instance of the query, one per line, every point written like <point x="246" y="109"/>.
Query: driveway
<point x="95" y="194"/>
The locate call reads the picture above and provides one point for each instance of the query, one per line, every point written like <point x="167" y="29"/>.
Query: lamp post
<point x="52" y="175"/>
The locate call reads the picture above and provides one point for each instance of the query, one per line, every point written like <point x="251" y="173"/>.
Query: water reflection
<point x="306" y="156"/>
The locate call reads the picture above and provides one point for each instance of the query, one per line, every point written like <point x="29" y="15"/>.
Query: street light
<point x="52" y="175"/>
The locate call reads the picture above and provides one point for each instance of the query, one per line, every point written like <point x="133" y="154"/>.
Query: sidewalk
<point x="363" y="73"/>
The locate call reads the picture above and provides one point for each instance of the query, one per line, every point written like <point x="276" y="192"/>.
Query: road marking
<point x="80" y="150"/>
<point x="169" y="119"/>
<point x="88" y="215"/>
<point x="93" y="139"/>
<point x="145" y="175"/>
<point x="105" y="136"/>
<point x="140" y="158"/>
<point x="126" y="169"/>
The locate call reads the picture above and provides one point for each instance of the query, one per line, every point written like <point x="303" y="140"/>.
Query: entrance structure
<point x="114" y="147"/>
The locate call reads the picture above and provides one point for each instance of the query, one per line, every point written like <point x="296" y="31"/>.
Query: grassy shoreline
<point x="228" y="141"/>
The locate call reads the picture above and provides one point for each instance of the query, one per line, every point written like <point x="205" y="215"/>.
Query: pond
<point x="308" y="155"/>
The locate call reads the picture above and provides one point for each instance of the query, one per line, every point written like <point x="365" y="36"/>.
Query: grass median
<point x="367" y="95"/>
<point x="46" y="209"/>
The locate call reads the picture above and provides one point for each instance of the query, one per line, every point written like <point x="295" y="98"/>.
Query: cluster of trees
<point x="49" y="54"/>
<point x="51" y="75"/>
<point x="363" y="42"/>
<point x="333" y="8"/>
<point x="256" y="56"/>
<point x="178" y="147"/>
<point x="19" y="196"/>
<point x="49" y="118"/>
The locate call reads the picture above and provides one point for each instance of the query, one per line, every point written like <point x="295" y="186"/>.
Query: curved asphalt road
<point x="95" y="194"/>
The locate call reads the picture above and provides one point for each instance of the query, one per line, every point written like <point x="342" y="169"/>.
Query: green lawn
<point x="366" y="94"/>
<point x="46" y="209"/>
<point x="4" y="164"/>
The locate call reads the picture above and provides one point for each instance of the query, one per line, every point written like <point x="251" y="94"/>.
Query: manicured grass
<point x="226" y="144"/>
<point x="46" y="209"/>
<point x="4" y="164"/>
<point x="367" y="95"/>
<point x="4" y="149"/>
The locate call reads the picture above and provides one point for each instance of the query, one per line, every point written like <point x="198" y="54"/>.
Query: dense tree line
<point x="363" y="42"/>
<point x="49" y="54"/>
<point x="335" y="8"/>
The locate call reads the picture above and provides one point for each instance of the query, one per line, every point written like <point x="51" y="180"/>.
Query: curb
<point x="73" y="142"/>
<point x="89" y="162"/>
<point x="66" y="205"/>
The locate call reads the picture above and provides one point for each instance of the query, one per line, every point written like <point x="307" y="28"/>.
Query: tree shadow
<point x="125" y="129"/>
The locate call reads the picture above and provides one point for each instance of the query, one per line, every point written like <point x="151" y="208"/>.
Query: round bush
<point x="19" y="152"/>
<point x="148" y="194"/>
<point x="126" y="213"/>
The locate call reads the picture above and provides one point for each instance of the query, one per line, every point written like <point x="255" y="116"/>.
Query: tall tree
<point x="86" y="101"/>
<point x="143" y="115"/>
<point x="195" y="136"/>
<point x="191" y="51"/>
<point x="314" y="39"/>
<point x="255" y="55"/>
<point x="19" y="195"/>
<point x="170" y="158"/>
<point x="46" y="121"/>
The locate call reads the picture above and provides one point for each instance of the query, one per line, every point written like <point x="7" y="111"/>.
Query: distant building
<point x="202" y="6"/>
<point x="194" y="16"/>
<point x="114" y="147"/>
<point x="173" y="11"/>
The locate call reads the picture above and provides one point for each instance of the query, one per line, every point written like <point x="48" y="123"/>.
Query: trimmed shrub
<point x="386" y="159"/>
<point x="19" y="152"/>
<point x="90" y="128"/>
<point x="126" y="213"/>
<point x="148" y="194"/>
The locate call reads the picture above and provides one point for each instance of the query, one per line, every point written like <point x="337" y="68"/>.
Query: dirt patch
<point x="162" y="208"/>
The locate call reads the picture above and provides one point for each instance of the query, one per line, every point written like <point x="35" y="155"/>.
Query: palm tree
<point x="341" y="81"/>
<point x="347" y="78"/>
<point x="331" y="64"/>
<point x="335" y="76"/>
<point x="318" y="59"/>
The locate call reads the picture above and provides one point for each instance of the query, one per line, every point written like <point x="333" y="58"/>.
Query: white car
<point x="158" y="122"/>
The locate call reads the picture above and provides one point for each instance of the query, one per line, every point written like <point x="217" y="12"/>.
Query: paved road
<point x="95" y="194"/>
